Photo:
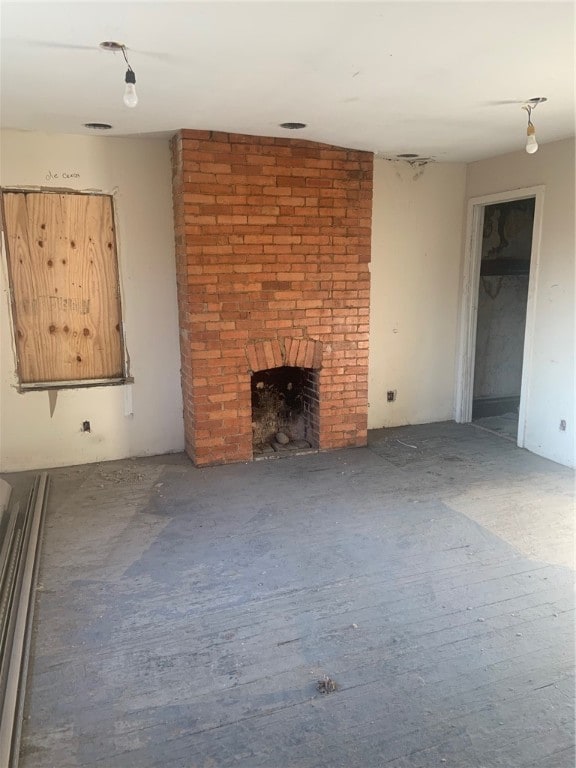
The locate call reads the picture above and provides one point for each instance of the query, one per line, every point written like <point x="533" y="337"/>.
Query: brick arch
<point x="303" y="353"/>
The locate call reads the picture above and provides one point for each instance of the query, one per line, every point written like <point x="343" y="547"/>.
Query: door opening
<point x="501" y="314"/>
<point x="497" y="312"/>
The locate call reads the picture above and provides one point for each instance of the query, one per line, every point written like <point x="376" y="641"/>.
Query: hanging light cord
<point x="126" y="58"/>
<point x="527" y="107"/>
<point x="130" y="95"/>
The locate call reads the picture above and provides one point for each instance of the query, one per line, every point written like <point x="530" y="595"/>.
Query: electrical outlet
<point x="85" y="426"/>
<point x="563" y="425"/>
<point x="391" y="395"/>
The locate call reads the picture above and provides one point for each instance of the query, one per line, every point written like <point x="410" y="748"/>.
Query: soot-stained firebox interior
<point x="284" y="410"/>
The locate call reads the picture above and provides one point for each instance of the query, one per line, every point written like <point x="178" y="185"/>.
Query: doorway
<point x="501" y="314"/>
<point x="501" y="263"/>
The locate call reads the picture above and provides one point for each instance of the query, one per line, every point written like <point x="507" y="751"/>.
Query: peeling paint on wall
<point x="404" y="168"/>
<point x="502" y="304"/>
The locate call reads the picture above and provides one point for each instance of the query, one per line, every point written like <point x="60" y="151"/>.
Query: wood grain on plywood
<point x="64" y="279"/>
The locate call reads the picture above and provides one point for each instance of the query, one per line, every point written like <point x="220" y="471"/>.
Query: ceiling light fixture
<point x="531" y="143"/>
<point x="293" y="126"/>
<point x="111" y="45"/>
<point x="98" y="126"/>
<point x="130" y="95"/>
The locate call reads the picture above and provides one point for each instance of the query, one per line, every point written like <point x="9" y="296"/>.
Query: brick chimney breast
<point x="272" y="255"/>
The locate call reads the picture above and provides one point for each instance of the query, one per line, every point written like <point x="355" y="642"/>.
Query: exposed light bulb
<point x="531" y="143"/>
<point x="130" y="95"/>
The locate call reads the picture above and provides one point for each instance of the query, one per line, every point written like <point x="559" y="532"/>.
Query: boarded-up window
<point x="64" y="281"/>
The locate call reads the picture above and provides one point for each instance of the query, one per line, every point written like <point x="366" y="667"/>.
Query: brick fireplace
<point x="272" y="250"/>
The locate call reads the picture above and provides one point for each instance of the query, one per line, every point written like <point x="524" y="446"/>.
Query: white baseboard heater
<point x="20" y="540"/>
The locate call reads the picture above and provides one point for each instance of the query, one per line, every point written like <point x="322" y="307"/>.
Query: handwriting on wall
<point x="54" y="176"/>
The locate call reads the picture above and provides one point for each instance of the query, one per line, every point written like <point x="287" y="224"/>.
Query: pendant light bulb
<point x="130" y="95"/>
<point x="531" y="143"/>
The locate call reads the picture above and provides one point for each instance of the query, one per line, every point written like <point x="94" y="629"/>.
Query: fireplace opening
<point x="284" y="410"/>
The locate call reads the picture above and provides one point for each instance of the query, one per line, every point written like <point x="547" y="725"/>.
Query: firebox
<point x="284" y="410"/>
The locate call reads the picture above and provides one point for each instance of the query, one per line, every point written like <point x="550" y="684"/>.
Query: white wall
<point x="138" y="171"/>
<point x="416" y="259"/>
<point x="551" y="397"/>
<point x="416" y="252"/>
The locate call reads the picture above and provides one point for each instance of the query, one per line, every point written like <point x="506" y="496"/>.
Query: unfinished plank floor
<point x="185" y="616"/>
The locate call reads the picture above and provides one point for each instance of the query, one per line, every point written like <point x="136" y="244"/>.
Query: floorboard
<point x="184" y="616"/>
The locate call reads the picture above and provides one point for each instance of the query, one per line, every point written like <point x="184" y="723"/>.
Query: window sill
<point x="79" y="384"/>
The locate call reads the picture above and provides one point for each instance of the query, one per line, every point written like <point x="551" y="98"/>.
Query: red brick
<point x="292" y="356"/>
<point x="261" y="358"/>
<point x="252" y="358"/>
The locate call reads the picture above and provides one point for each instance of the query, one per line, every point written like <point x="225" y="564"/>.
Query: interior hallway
<point x="184" y="616"/>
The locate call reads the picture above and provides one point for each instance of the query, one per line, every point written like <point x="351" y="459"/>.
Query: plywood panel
<point x="64" y="277"/>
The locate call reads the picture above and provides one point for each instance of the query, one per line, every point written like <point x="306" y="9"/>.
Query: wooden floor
<point x="185" y="616"/>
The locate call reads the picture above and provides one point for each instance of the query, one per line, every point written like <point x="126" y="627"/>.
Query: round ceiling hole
<point x="408" y="155"/>
<point x="111" y="45"/>
<point x="98" y="126"/>
<point x="293" y="126"/>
